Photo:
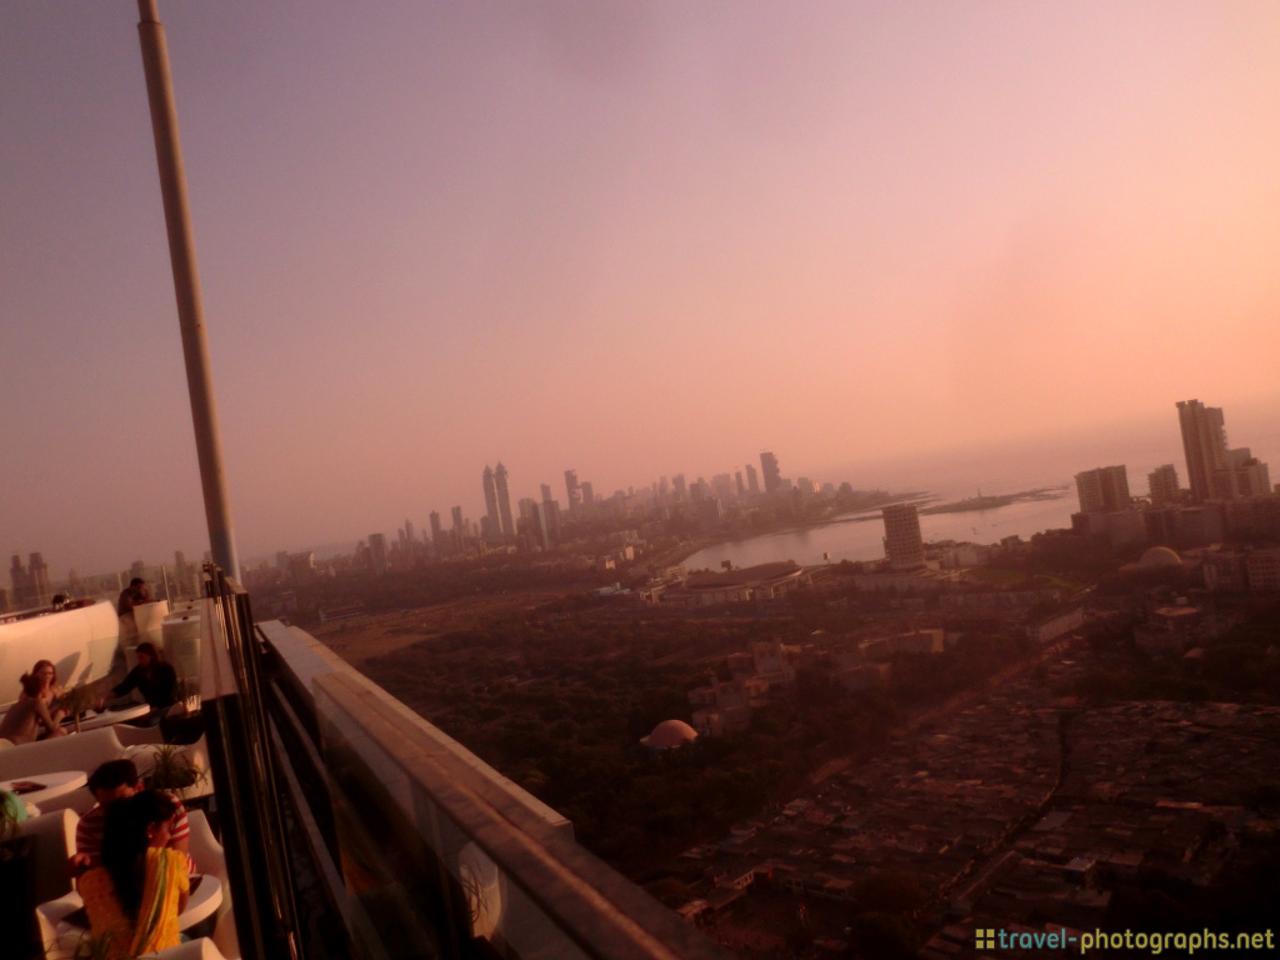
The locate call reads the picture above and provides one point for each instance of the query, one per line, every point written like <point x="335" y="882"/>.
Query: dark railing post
<point x="247" y="791"/>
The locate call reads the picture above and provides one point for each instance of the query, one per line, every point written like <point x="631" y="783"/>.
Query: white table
<point x="109" y="717"/>
<point x="54" y="785"/>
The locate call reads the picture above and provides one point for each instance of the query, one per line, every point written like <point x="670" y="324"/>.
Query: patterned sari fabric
<point x="156" y="926"/>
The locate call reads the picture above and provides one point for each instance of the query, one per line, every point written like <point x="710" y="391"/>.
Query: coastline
<point x="873" y="512"/>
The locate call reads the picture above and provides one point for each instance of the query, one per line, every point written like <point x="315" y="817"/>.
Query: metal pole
<point x="186" y="283"/>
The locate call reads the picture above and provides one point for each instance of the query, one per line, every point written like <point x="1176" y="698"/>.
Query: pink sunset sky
<point x="631" y="238"/>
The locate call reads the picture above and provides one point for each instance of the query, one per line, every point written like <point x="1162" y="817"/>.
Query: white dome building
<point x="670" y="734"/>
<point x="1160" y="558"/>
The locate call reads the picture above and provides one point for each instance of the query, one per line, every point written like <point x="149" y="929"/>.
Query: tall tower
<point x="572" y="490"/>
<point x="753" y="480"/>
<point x="1103" y="490"/>
<point x="437" y="532"/>
<point x="504" y="502"/>
<point x="21" y="584"/>
<point x="1163" y="484"/>
<point x="1204" y="441"/>
<point x="378" y="553"/>
<point x="491" y="500"/>
<point x="772" y="475"/>
<point x="903" y="544"/>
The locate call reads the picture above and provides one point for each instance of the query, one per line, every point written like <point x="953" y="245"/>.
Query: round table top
<point x="110" y="717"/>
<point x="51" y="785"/>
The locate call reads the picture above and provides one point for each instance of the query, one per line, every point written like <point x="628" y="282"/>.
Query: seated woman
<point x="50" y="689"/>
<point x="135" y="897"/>
<point x="155" y="679"/>
<point x="29" y="717"/>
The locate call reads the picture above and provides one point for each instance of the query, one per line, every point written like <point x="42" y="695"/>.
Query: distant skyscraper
<point x="753" y="480"/>
<point x="1163" y="484"/>
<point x="1242" y="476"/>
<point x="408" y="532"/>
<point x="38" y="572"/>
<point x="1103" y="490"/>
<point x="678" y="486"/>
<point x="903" y="544"/>
<point x="550" y="517"/>
<point x="1204" y="441"/>
<point x="491" y="503"/>
<point x="459" y="526"/>
<point x="722" y="486"/>
<point x="504" y="501"/>
<point x="588" y="493"/>
<point x="437" y="532"/>
<point x="772" y="475"/>
<point x="21" y="584"/>
<point x="378" y="553"/>
<point x="572" y="490"/>
<point x="738" y="484"/>
<point x="546" y="492"/>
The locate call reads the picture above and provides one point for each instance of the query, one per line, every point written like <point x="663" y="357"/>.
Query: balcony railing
<point x="392" y="839"/>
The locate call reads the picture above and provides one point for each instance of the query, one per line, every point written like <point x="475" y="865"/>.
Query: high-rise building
<point x="772" y="475"/>
<point x="378" y="553"/>
<point x="21" y="584"/>
<point x="1163" y="484"/>
<point x="550" y="517"/>
<point x="38" y="574"/>
<point x="738" y="484"/>
<point x="546" y="492"/>
<point x="437" y="533"/>
<point x="753" y="480"/>
<point x="1104" y="490"/>
<point x="1204" y="442"/>
<point x="678" y="486"/>
<point x="409" y="532"/>
<point x="504" y="501"/>
<point x="459" y="527"/>
<point x="903" y="544"/>
<point x="722" y="486"/>
<point x="1242" y="476"/>
<point x="572" y="490"/>
<point x="490" y="503"/>
<point x="588" y="493"/>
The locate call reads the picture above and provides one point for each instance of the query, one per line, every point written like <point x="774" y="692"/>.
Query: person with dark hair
<point x="134" y="595"/>
<point x="134" y="898"/>
<point x="24" y="720"/>
<point x="155" y="679"/>
<point x="119" y="780"/>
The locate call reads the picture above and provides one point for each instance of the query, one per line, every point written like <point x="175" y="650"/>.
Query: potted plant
<point x="173" y="770"/>
<point x="17" y="882"/>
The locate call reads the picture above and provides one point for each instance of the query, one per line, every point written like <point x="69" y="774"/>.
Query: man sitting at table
<point x="118" y="780"/>
<point x="155" y="679"/>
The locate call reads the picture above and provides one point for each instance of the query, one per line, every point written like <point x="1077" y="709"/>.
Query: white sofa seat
<point x="209" y="857"/>
<point x="79" y="751"/>
<point x="55" y="835"/>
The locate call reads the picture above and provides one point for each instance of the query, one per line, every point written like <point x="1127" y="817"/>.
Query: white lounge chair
<point x="209" y="857"/>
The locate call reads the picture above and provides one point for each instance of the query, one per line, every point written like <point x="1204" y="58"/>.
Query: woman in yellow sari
<point x="135" y="897"/>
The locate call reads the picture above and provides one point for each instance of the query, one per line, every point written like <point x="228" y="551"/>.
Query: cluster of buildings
<point x="1229" y="493"/>
<point x="31" y="586"/>
<point x="1153" y="790"/>
<point x="931" y="806"/>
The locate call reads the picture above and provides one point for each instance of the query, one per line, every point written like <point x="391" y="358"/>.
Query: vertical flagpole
<point x="186" y="283"/>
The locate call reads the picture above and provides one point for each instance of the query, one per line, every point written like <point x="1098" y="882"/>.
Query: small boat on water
<point x="82" y="641"/>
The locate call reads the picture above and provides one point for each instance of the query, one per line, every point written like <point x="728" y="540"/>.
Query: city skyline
<point x="946" y="225"/>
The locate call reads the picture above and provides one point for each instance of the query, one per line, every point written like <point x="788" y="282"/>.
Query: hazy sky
<point x="632" y="238"/>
